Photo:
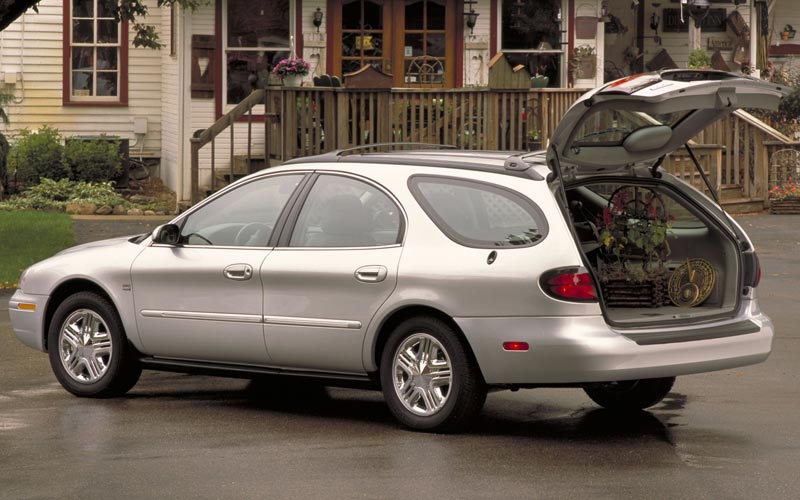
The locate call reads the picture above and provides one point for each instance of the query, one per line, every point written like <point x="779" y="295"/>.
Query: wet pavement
<point x="731" y="434"/>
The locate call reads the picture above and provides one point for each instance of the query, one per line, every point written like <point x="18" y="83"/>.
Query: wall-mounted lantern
<point x="317" y="19"/>
<point x="470" y="16"/>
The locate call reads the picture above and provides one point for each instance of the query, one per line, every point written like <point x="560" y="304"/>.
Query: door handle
<point x="238" y="272"/>
<point x="371" y="274"/>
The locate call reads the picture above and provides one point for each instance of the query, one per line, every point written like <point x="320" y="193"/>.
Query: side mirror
<point x="167" y="234"/>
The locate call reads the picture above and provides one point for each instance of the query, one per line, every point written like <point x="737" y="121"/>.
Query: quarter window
<point x="243" y="217"/>
<point x="97" y="47"/>
<point x="345" y="212"/>
<point x="477" y="214"/>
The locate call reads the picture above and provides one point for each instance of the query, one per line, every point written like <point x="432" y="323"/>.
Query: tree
<point x="132" y="11"/>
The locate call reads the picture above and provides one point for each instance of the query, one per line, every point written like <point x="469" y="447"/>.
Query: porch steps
<point x="730" y="192"/>
<point x="742" y="205"/>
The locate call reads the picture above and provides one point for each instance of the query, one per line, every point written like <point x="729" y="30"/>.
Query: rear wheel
<point x="429" y="378"/>
<point x="630" y="394"/>
<point x="89" y="353"/>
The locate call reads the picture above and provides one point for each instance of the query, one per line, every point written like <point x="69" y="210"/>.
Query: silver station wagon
<point x="435" y="275"/>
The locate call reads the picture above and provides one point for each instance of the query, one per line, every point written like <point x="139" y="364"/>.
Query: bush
<point x="699" y="58"/>
<point x="38" y="154"/>
<point x="4" y="147"/>
<point x="94" y="160"/>
<point x="54" y="195"/>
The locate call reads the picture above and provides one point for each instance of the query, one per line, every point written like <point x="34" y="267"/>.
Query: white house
<point x="72" y="67"/>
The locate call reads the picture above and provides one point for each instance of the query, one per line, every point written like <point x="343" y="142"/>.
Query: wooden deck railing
<point x="209" y="136"/>
<point x="307" y="121"/>
<point x="735" y="151"/>
<point x="747" y="158"/>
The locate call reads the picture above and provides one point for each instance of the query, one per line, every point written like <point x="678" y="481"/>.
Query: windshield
<point x="610" y="127"/>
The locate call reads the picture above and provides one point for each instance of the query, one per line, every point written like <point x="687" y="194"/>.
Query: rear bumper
<point x="27" y="318"/>
<point x="585" y="349"/>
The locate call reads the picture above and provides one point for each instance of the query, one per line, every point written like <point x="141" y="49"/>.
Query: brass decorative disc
<point x="692" y="282"/>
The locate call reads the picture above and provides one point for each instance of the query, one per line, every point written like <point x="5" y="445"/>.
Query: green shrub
<point x="54" y="195"/>
<point x="38" y="154"/>
<point x="94" y="160"/>
<point x="4" y="147"/>
<point x="699" y="58"/>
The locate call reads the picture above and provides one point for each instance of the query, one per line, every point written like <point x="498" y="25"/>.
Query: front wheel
<point x="89" y="353"/>
<point x="430" y="380"/>
<point x="630" y="394"/>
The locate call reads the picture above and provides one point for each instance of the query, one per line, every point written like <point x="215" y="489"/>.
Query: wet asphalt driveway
<point x="726" y="435"/>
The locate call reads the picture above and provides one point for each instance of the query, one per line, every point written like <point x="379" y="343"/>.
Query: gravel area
<point x="99" y="228"/>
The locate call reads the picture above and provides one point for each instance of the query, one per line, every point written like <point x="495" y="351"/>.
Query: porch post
<point x="754" y="32"/>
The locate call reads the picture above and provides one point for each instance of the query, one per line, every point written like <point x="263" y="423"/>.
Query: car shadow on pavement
<point x="311" y="398"/>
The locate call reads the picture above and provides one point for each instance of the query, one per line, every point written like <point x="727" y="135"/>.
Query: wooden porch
<point x="274" y="125"/>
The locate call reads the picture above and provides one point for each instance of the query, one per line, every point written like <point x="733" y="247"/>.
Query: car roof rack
<point x="338" y="153"/>
<point x="514" y="164"/>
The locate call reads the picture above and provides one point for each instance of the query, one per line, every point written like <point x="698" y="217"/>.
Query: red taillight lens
<point x="571" y="284"/>
<point x="758" y="275"/>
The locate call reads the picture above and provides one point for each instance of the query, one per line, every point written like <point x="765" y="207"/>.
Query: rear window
<point x="610" y="127"/>
<point x="478" y="214"/>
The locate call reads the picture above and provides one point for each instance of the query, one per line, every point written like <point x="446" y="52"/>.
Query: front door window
<point x="425" y="42"/>
<point x="407" y="39"/>
<point x="363" y="36"/>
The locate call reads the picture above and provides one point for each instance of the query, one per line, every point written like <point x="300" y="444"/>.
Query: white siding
<point x="678" y="45"/>
<point x="170" y="105"/>
<point x="783" y="13"/>
<point x="315" y="44"/>
<point x="32" y="48"/>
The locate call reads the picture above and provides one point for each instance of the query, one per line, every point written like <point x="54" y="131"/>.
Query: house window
<point x="257" y="36"/>
<point x="96" y="53"/>
<point x="532" y="33"/>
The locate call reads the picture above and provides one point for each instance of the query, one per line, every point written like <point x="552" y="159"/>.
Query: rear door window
<point x="478" y="214"/>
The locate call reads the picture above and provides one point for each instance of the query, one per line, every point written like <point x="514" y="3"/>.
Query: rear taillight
<point x="574" y="284"/>
<point x="752" y="269"/>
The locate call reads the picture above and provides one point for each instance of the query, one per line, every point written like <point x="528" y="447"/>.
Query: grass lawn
<point x="28" y="237"/>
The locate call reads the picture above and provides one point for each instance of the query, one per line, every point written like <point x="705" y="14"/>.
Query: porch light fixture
<point x="470" y="16"/>
<point x="317" y="19"/>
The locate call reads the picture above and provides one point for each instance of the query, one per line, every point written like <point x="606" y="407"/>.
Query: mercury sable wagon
<point x="435" y="275"/>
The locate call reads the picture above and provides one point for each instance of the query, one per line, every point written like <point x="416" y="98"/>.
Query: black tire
<point x="116" y="373"/>
<point x="630" y="394"/>
<point x="465" y="392"/>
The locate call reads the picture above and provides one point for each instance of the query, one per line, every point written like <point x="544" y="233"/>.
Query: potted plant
<point x="583" y="62"/>
<point x="785" y="198"/>
<point x="539" y="81"/>
<point x="699" y="59"/>
<point x="291" y="71"/>
<point x="534" y="139"/>
<point x="788" y="32"/>
<point x="632" y="232"/>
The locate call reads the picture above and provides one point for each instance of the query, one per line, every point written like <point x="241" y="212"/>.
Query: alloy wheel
<point x="85" y="347"/>
<point x="422" y="373"/>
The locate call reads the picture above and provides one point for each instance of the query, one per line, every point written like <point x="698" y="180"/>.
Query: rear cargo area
<point x="657" y="257"/>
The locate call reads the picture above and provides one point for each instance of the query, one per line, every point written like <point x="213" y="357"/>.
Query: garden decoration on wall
<point x="692" y="283"/>
<point x="633" y="232"/>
